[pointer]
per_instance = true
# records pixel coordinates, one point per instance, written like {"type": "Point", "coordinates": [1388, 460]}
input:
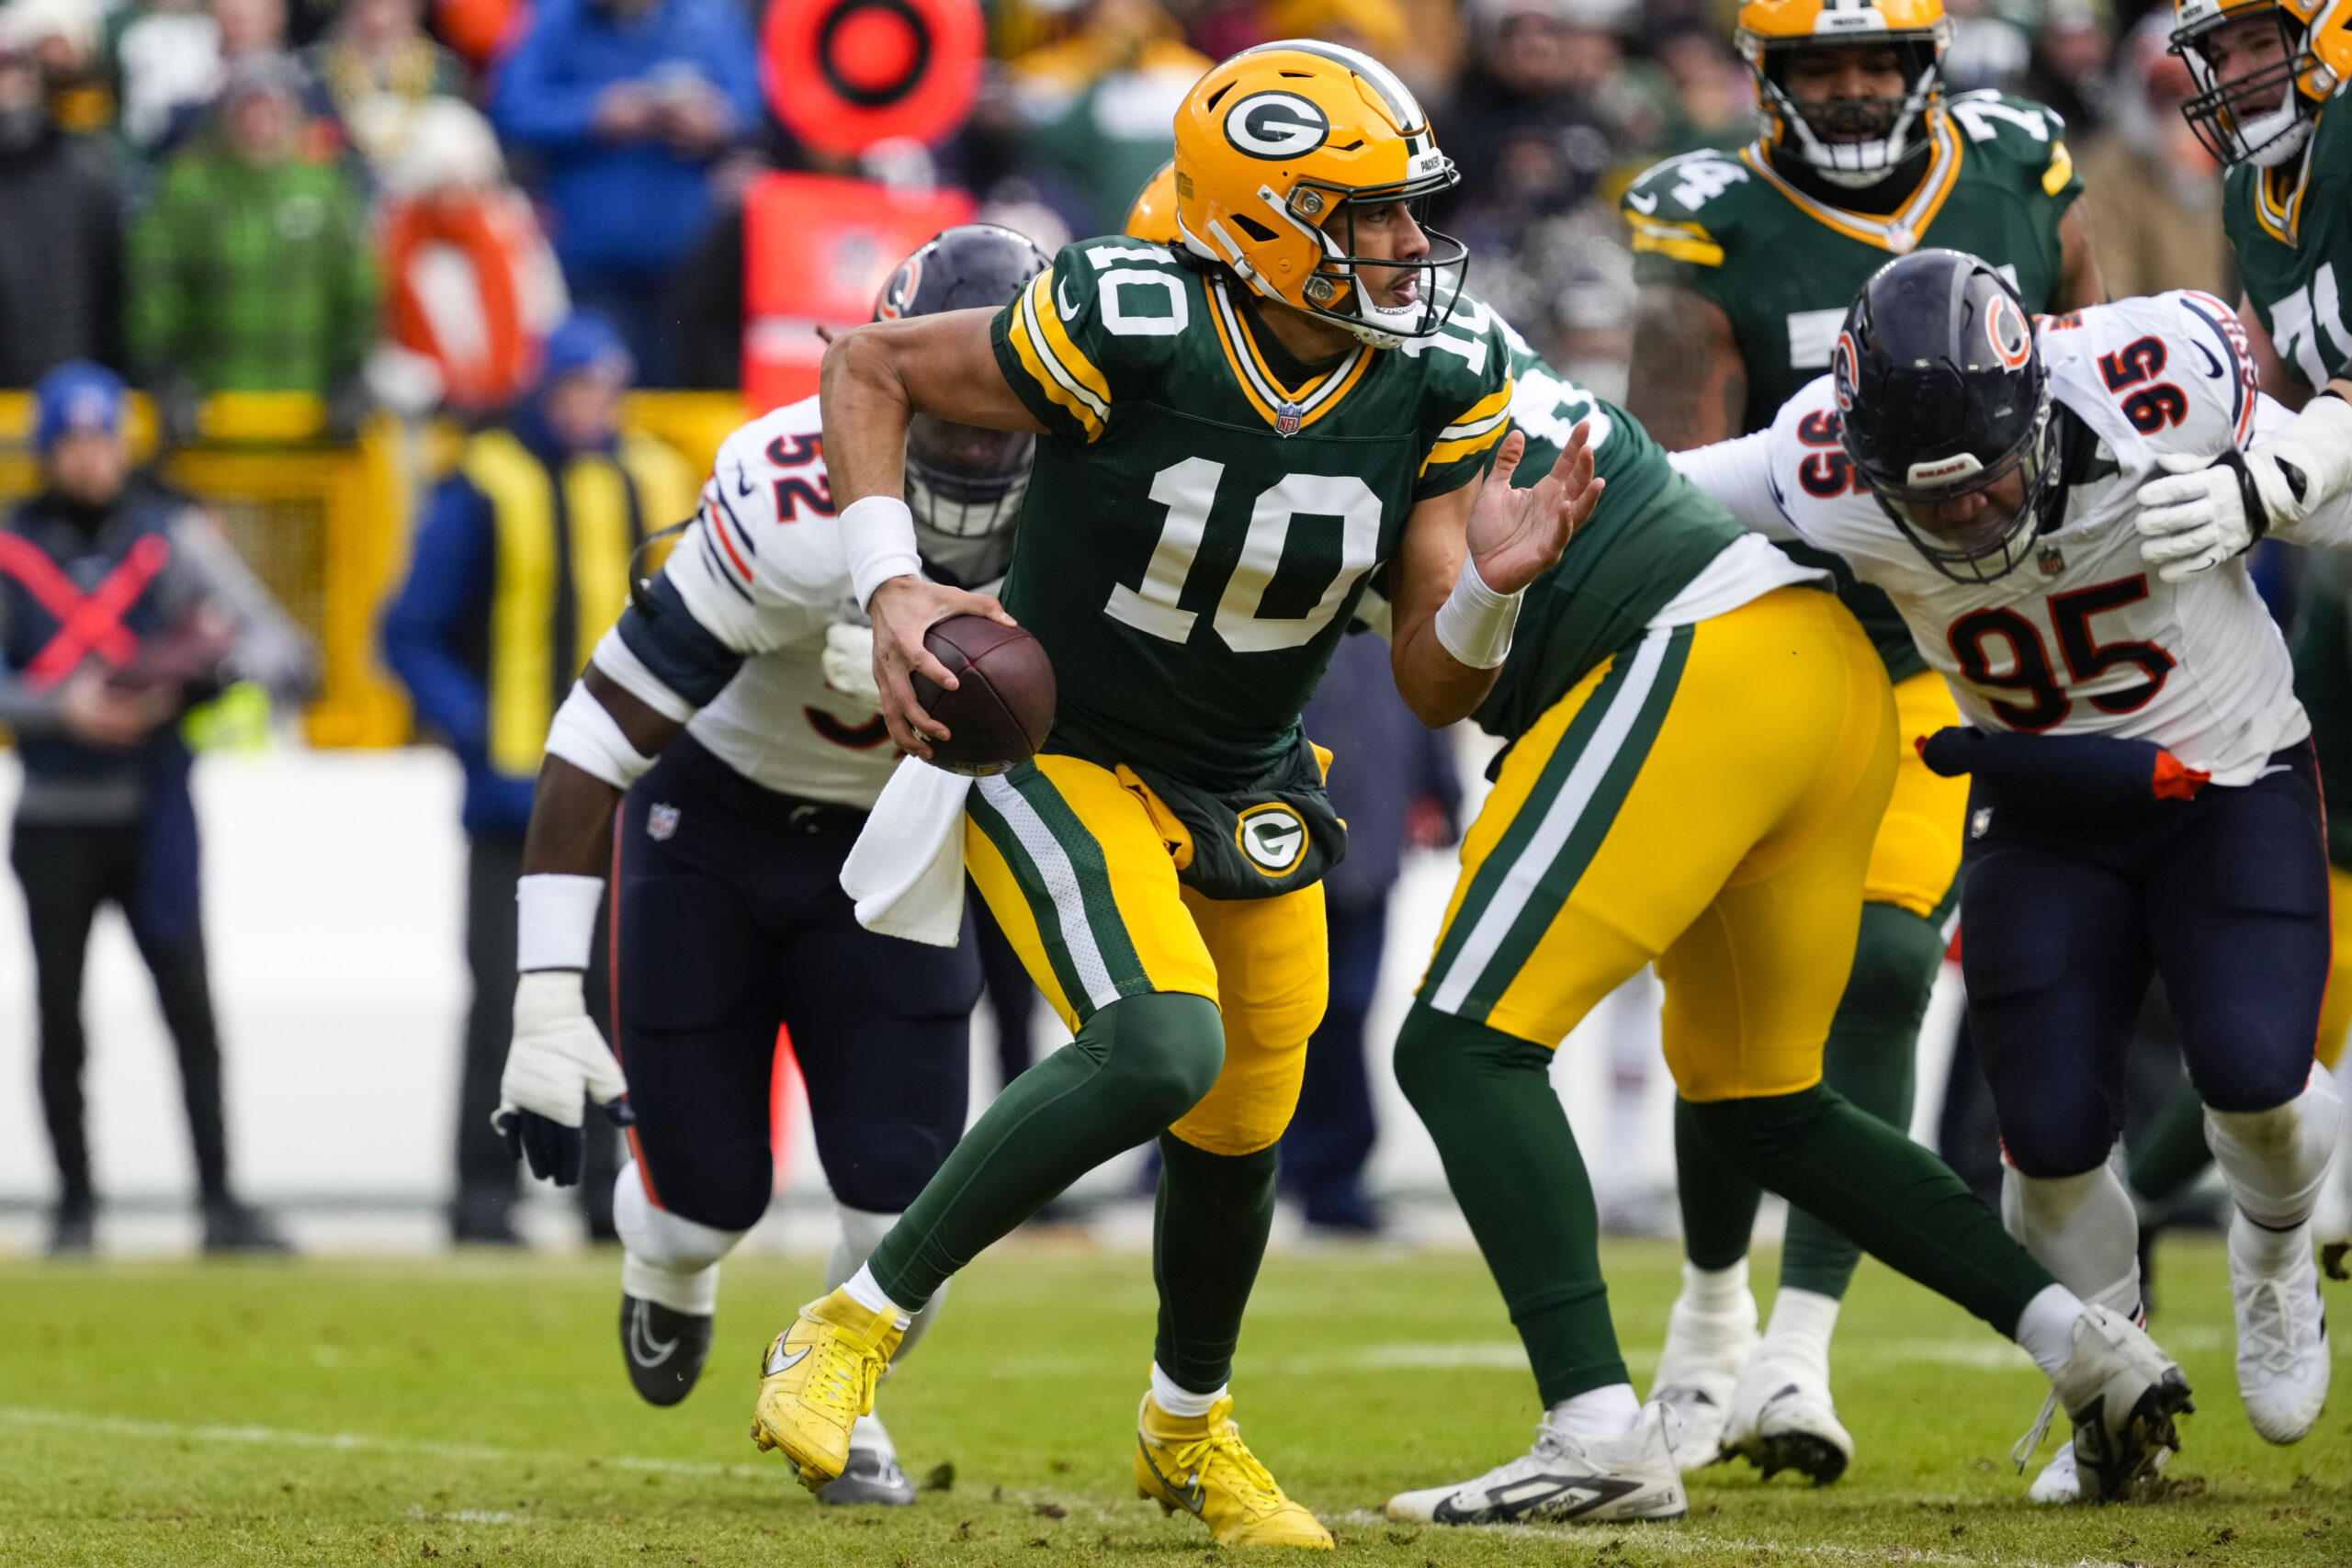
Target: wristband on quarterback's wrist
{"type": "Point", "coordinates": [555, 920]}
{"type": "Point", "coordinates": [878, 537]}
{"type": "Point", "coordinates": [1474, 623]}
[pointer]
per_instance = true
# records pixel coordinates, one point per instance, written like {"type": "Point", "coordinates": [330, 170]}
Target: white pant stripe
{"type": "Point", "coordinates": [1061, 886]}
{"type": "Point", "coordinates": [1560, 819]}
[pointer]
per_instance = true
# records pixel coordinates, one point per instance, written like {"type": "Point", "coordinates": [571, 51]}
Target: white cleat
{"type": "Point", "coordinates": [1562, 1481]}
{"type": "Point", "coordinates": [2122, 1394]}
{"type": "Point", "coordinates": [1697, 1375]}
{"type": "Point", "coordinates": [872, 1474]}
{"type": "Point", "coordinates": [2282, 1341]}
{"type": "Point", "coordinates": [1782, 1418]}
{"type": "Point", "coordinates": [2057, 1483]}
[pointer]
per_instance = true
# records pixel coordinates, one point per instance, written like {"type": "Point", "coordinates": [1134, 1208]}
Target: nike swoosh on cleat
{"type": "Point", "coordinates": [640, 1332]}
{"type": "Point", "coordinates": [1190, 1494]}
{"type": "Point", "coordinates": [781, 1363]}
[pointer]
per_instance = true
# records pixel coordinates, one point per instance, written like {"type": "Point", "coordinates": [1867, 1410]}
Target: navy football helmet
{"type": "Point", "coordinates": [1945, 411]}
{"type": "Point", "coordinates": [964, 482]}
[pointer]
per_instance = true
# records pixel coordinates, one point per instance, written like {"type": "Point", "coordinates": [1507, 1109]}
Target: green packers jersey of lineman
{"type": "Point", "coordinates": [1197, 530]}
{"type": "Point", "coordinates": [1784, 266]}
{"type": "Point", "coordinates": [2294, 238]}
{"type": "Point", "coordinates": [1652, 533]}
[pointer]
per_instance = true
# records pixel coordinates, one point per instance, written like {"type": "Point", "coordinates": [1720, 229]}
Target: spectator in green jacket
{"type": "Point", "coordinates": [250, 271]}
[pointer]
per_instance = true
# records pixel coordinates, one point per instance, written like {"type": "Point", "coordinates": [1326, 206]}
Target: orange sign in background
{"type": "Point", "coordinates": [816, 252]}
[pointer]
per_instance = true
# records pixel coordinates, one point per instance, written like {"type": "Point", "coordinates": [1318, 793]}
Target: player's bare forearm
{"type": "Point", "coordinates": [1509, 536]}
{"type": "Point", "coordinates": [572, 810]}
{"type": "Point", "coordinates": [878, 377]}
{"type": "Point", "coordinates": [1687, 384]}
{"type": "Point", "coordinates": [2079, 283]}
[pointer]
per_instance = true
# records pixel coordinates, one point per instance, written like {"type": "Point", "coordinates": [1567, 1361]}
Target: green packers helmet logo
{"type": "Point", "coordinates": [1275, 125]}
{"type": "Point", "coordinates": [1273, 838]}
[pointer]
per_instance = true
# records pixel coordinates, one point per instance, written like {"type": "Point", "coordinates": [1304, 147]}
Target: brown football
{"type": "Point", "coordinates": [1003, 701]}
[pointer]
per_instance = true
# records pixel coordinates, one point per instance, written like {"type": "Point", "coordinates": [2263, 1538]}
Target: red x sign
{"type": "Point", "coordinates": [87, 624]}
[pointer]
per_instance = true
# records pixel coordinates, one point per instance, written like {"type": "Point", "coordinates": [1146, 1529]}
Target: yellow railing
{"type": "Point", "coordinates": [326, 526]}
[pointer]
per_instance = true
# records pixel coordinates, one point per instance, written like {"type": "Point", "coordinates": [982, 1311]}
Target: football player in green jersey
{"type": "Point", "coordinates": [1746, 260]}
{"type": "Point", "coordinates": [1232, 435]}
{"type": "Point", "coordinates": [2269, 78]}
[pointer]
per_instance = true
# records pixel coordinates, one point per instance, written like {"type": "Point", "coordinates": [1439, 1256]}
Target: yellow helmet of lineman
{"type": "Point", "coordinates": [1853, 143]}
{"type": "Point", "coordinates": [1274, 150]}
{"type": "Point", "coordinates": [1153, 215]}
{"type": "Point", "coordinates": [2263, 116]}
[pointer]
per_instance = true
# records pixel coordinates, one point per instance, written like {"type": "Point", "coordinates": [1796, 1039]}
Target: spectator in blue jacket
{"type": "Point", "coordinates": [521, 562]}
{"type": "Point", "coordinates": [622, 106]}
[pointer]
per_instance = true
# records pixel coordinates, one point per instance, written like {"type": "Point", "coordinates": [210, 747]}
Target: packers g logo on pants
{"type": "Point", "coordinates": [1271, 837]}
{"type": "Point", "coordinates": [1276, 125]}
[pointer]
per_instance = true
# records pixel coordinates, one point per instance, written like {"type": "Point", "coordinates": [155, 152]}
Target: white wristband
{"type": "Point", "coordinates": [1474, 623]}
{"type": "Point", "coordinates": [555, 920]}
{"type": "Point", "coordinates": [585, 735]}
{"type": "Point", "coordinates": [878, 537]}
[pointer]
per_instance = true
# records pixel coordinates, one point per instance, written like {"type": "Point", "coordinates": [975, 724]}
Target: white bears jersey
{"type": "Point", "coordinates": [2083, 638]}
{"type": "Point", "coordinates": [736, 644]}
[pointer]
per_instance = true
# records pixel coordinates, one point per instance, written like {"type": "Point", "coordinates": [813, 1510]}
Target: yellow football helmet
{"type": "Point", "coordinates": [1772, 32]}
{"type": "Point", "coordinates": [1153, 215]}
{"type": "Point", "coordinates": [1275, 148]}
{"type": "Point", "coordinates": [2237, 119]}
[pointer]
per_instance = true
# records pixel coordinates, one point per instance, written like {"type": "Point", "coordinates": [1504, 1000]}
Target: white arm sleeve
{"type": "Point", "coordinates": [1739, 474]}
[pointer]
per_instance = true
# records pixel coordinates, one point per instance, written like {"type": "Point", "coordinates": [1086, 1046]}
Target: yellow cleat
{"type": "Point", "coordinates": [1200, 1464]}
{"type": "Point", "coordinates": [817, 1380]}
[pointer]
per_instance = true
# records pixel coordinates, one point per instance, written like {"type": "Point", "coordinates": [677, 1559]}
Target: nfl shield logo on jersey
{"type": "Point", "coordinates": [660, 822]}
{"type": "Point", "coordinates": [1287, 419]}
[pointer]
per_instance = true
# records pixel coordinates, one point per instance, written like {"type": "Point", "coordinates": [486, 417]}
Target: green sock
{"type": "Point", "coordinates": [1208, 1235]}
{"type": "Point", "coordinates": [1901, 1203]}
{"type": "Point", "coordinates": [1137, 1066]}
{"type": "Point", "coordinates": [1871, 1058]}
{"type": "Point", "coordinates": [1487, 1098]}
{"type": "Point", "coordinates": [1718, 1201]}
{"type": "Point", "coordinates": [2172, 1153]}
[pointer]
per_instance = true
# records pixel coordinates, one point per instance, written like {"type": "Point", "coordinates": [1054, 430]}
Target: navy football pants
{"type": "Point", "coordinates": [731, 920]}
{"type": "Point", "coordinates": [2064, 920]}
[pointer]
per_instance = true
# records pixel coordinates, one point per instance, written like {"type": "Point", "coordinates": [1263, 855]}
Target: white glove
{"type": "Point", "coordinates": [556, 1064]}
{"type": "Point", "coordinates": [849, 664]}
{"type": "Point", "coordinates": [2308, 462]}
{"type": "Point", "coordinates": [2194, 520]}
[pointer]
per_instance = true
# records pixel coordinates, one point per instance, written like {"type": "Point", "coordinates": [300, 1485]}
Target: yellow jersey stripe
{"type": "Point", "coordinates": [1491, 431]}
{"type": "Point", "coordinates": [2061, 169]}
{"type": "Point", "coordinates": [1256, 381]}
{"type": "Point", "coordinates": [1227, 330]}
{"type": "Point", "coordinates": [1051, 378]}
{"type": "Point", "coordinates": [1058, 342]}
{"type": "Point", "coordinates": [1476, 419]}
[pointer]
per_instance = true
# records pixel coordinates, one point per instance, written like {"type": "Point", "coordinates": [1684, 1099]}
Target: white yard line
{"type": "Point", "coordinates": [355, 1442]}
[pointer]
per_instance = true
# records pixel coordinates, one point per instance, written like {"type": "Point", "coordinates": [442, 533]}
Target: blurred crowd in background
{"type": "Point", "coordinates": [458, 231]}
{"type": "Point", "coordinates": [262, 195]}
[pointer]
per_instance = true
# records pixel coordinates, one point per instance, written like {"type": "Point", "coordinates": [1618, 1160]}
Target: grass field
{"type": "Point", "coordinates": [474, 1411]}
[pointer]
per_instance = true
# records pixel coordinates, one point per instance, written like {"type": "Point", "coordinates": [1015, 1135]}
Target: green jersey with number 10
{"type": "Point", "coordinates": [1197, 531]}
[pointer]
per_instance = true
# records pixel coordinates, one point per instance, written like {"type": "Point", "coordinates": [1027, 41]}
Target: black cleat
{"type": "Point", "coordinates": [664, 1350]}
{"type": "Point", "coordinates": [73, 1229]}
{"type": "Point", "coordinates": [232, 1229]}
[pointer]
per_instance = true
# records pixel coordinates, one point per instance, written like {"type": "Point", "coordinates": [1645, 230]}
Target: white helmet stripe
{"type": "Point", "coordinates": [1402, 104]}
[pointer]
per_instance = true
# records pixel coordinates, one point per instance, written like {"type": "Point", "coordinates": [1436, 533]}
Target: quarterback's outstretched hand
{"type": "Point", "coordinates": [902, 610]}
{"type": "Point", "coordinates": [2196, 517]}
{"type": "Point", "coordinates": [1515, 535]}
{"type": "Point", "coordinates": [557, 1062]}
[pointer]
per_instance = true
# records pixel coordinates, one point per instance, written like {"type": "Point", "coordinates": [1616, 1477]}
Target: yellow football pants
{"type": "Point", "coordinates": [1707, 801]}
{"type": "Point", "coordinates": [1915, 860]}
{"type": "Point", "coordinates": [1079, 864]}
{"type": "Point", "coordinates": [2336, 1011]}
